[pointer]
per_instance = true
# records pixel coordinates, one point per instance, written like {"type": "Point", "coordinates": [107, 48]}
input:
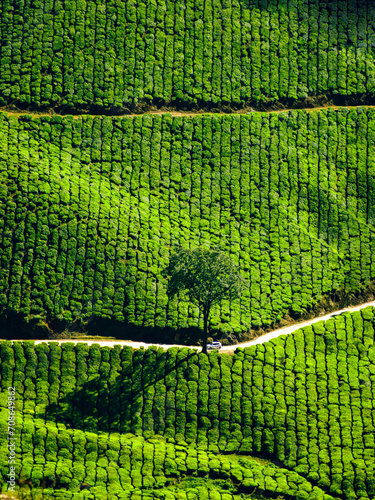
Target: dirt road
{"type": "Point", "coordinates": [260, 340]}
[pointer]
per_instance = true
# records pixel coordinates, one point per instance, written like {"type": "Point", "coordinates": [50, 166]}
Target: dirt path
{"type": "Point", "coordinates": [250, 111]}
{"type": "Point", "coordinates": [260, 340]}
{"type": "Point", "coordinates": [245, 111]}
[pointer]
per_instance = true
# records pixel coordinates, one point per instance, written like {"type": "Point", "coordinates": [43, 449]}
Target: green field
{"type": "Point", "coordinates": [91, 209]}
{"type": "Point", "coordinates": [153, 423]}
{"type": "Point", "coordinates": [110, 55]}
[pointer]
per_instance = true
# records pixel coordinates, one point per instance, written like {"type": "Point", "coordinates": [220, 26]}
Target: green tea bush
{"type": "Point", "coordinates": [7, 364]}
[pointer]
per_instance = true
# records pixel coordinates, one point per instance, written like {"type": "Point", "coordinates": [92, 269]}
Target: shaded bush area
{"type": "Point", "coordinates": [117, 57]}
{"type": "Point", "coordinates": [15, 326]}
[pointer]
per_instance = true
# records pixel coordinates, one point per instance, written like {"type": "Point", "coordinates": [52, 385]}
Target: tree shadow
{"type": "Point", "coordinates": [14, 325]}
{"type": "Point", "coordinates": [127, 331]}
{"type": "Point", "coordinates": [266, 5]}
{"type": "Point", "coordinates": [117, 403]}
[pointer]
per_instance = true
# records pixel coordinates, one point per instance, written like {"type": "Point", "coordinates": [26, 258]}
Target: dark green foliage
{"type": "Point", "coordinates": [113, 55]}
{"type": "Point", "coordinates": [7, 365]}
{"type": "Point", "coordinates": [126, 389]}
{"type": "Point", "coordinates": [114, 385]}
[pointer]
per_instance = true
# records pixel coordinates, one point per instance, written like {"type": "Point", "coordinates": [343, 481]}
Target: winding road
{"type": "Point", "coordinates": [259, 340]}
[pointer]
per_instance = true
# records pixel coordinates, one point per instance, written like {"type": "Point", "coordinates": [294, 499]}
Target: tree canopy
{"type": "Point", "coordinates": [208, 276]}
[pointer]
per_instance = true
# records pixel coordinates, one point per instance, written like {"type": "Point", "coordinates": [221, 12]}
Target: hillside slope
{"type": "Point", "coordinates": [112, 55]}
{"type": "Point", "coordinates": [90, 209]}
{"type": "Point", "coordinates": [92, 415]}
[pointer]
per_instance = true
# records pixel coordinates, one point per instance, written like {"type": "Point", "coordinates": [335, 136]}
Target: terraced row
{"type": "Point", "coordinates": [73, 464]}
{"type": "Point", "coordinates": [114, 54]}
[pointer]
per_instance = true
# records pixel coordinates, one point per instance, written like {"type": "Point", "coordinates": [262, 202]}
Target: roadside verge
{"type": "Point", "coordinates": [259, 340]}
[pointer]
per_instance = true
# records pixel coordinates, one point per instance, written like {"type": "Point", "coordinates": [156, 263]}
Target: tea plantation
{"type": "Point", "coordinates": [91, 207]}
{"type": "Point", "coordinates": [93, 204]}
{"type": "Point", "coordinates": [118, 423]}
{"type": "Point", "coordinates": [110, 55]}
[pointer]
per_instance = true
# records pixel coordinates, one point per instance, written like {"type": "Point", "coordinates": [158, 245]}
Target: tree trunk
{"type": "Point", "coordinates": [206, 312]}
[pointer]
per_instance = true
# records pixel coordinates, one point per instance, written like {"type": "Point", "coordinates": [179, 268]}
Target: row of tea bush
{"type": "Point", "coordinates": [120, 466]}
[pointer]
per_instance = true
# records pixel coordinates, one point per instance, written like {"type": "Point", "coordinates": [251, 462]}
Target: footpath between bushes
{"type": "Point", "coordinates": [14, 111]}
{"type": "Point", "coordinates": [259, 340]}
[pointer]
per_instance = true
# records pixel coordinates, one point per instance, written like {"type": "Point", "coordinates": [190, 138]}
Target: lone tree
{"type": "Point", "coordinates": [208, 276]}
